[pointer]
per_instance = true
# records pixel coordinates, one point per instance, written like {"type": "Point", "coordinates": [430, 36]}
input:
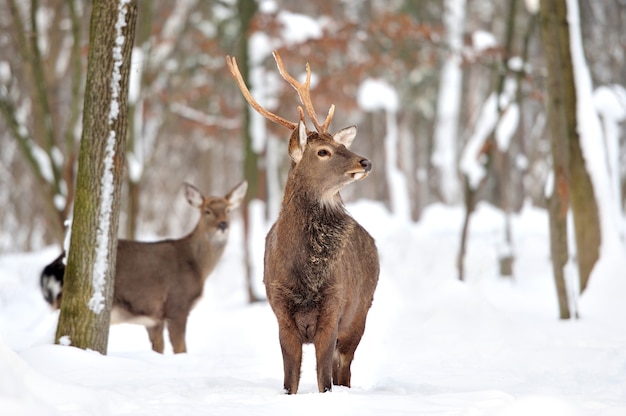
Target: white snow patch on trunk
{"type": "Point", "coordinates": [43, 162]}
{"type": "Point", "coordinates": [101, 264]}
{"type": "Point", "coordinates": [605, 289]}
{"type": "Point", "coordinates": [610, 103]}
{"type": "Point", "coordinates": [505, 125]}
{"type": "Point", "coordinates": [590, 131]}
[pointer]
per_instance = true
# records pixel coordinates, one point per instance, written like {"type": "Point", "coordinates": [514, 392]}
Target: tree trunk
{"type": "Point", "coordinates": [133, 182]}
{"type": "Point", "coordinates": [562, 111]}
{"type": "Point", "coordinates": [582, 195]}
{"type": "Point", "coordinates": [502, 160]}
{"type": "Point", "coordinates": [446, 139]}
{"type": "Point", "coordinates": [559, 199]}
{"type": "Point", "coordinates": [246, 11]}
{"type": "Point", "coordinates": [557, 210]}
{"type": "Point", "coordinates": [470, 205]}
{"type": "Point", "coordinates": [88, 284]}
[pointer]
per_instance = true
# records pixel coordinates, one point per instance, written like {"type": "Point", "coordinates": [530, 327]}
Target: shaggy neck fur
{"type": "Point", "coordinates": [321, 230]}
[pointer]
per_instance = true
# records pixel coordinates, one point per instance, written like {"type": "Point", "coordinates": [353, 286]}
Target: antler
{"type": "Point", "coordinates": [234, 70]}
{"type": "Point", "coordinates": [304, 93]}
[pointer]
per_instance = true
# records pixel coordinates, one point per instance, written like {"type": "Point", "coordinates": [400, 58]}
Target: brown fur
{"type": "Point", "coordinates": [158, 283]}
{"type": "Point", "coordinates": [321, 266]}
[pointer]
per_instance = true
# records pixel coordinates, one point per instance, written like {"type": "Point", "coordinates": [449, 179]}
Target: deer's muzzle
{"type": "Point", "coordinates": [361, 173]}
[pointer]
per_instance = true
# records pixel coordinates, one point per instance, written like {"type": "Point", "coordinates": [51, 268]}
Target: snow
{"type": "Point", "coordinates": [472, 164]}
{"type": "Point", "coordinates": [107, 187]}
{"type": "Point", "coordinates": [96, 303]}
{"type": "Point", "coordinates": [43, 162]}
{"type": "Point", "coordinates": [432, 346]}
{"type": "Point", "coordinates": [532, 6]}
{"type": "Point", "coordinates": [603, 282]}
{"type": "Point", "coordinates": [610, 103]}
{"type": "Point", "coordinates": [376, 94]}
{"type": "Point", "coordinates": [507, 126]}
{"type": "Point", "coordinates": [5, 72]}
{"type": "Point", "coordinates": [298, 28]}
{"type": "Point", "coordinates": [483, 40]}
{"type": "Point", "coordinates": [136, 72]}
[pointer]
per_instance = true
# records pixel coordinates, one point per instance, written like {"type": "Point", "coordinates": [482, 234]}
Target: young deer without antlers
{"type": "Point", "coordinates": [321, 266]}
{"type": "Point", "coordinates": [158, 283]}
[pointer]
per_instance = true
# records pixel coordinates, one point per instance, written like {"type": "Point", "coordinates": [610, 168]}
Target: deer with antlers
{"type": "Point", "coordinates": [320, 267]}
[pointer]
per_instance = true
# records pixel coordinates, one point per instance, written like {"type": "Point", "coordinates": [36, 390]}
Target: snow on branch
{"type": "Point", "coordinates": [503, 119]}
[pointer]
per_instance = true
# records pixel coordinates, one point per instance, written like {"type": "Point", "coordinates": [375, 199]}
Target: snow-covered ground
{"type": "Point", "coordinates": [432, 346]}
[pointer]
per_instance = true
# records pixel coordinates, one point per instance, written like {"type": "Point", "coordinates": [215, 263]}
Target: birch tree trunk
{"type": "Point", "coordinates": [449, 103]}
{"type": "Point", "coordinates": [88, 284]}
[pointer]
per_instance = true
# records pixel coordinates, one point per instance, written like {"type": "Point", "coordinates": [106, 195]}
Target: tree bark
{"type": "Point", "coordinates": [246, 11]}
{"type": "Point", "coordinates": [582, 196]}
{"type": "Point", "coordinates": [562, 113]}
{"type": "Point", "coordinates": [558, 203]}
{"type": "Point", "coordinates": [85, 310]}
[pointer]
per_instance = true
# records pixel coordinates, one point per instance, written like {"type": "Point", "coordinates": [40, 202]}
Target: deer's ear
{"type": "Point", "coordinates": [194, 197]}
{"type": "Point", "coordinates": [345, 136]}
{"type": "Point", "coordinates": [235, 196]}
{"type": "Point", "coordinates": [297, 142]}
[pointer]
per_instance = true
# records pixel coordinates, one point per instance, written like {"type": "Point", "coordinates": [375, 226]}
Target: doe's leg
{"type": "Point", "coordinates": [177, 328]}
{"type": "Point", "coordinates": [156, 337]}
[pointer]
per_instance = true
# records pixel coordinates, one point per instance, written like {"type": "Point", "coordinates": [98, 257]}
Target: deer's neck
{"type": "Point", "coordinates": [317, 233]}
{"type": "Point", "coordinates": [205, 250]}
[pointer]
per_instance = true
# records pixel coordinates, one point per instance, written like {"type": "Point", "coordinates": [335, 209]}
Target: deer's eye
{"type": "Point", "coordinates": [323, 153]}
{"type": "Point", "coordinates": [208, 212]}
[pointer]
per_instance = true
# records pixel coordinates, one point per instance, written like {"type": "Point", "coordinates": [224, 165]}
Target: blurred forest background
{"type": "Point", "coordinates": [188, 120]}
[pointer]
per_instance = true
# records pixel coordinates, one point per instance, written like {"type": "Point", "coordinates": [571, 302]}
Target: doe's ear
{"type": "Point", "coordinates": [194, 197]}
{"type": "Point", "coordinates": [235, 196]}
{"type": "Point", "coordinates": [297, 142]}
{"type": "Point", "coordinates": [345, 136]}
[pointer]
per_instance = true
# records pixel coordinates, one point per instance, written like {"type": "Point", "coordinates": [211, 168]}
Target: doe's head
{"type": "Point", "coordinates": [215, 211]}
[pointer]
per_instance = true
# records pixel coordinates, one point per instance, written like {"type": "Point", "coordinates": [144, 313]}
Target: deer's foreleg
{"type": "Point", "coordinates": [156, 336]}
{"type": "Point", "coordinates": [291, 347]}
{"type": "Point", "coordinates": [325, 341]}
{"type": "Point", "coordinates": [177, 328]}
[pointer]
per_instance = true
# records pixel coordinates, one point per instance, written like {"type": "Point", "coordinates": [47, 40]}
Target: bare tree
{"type": "Point", "coordinates": [42, 76]}
{"type": "Point", "coordinates": [88, 286]}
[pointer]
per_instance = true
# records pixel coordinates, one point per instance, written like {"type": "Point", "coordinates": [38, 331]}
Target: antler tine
{"type": "Point", "coordinates": [304, 93]}
{"type": "Point", "coordinates": [329, 117]}
{"type": "Point", "coordinates": [234, 71]}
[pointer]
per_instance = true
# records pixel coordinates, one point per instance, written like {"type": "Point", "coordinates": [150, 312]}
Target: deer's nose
{"type": "Point", "coordinates": [366, 164]}
{"type": "Point", "coordinates": [222, 225]}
